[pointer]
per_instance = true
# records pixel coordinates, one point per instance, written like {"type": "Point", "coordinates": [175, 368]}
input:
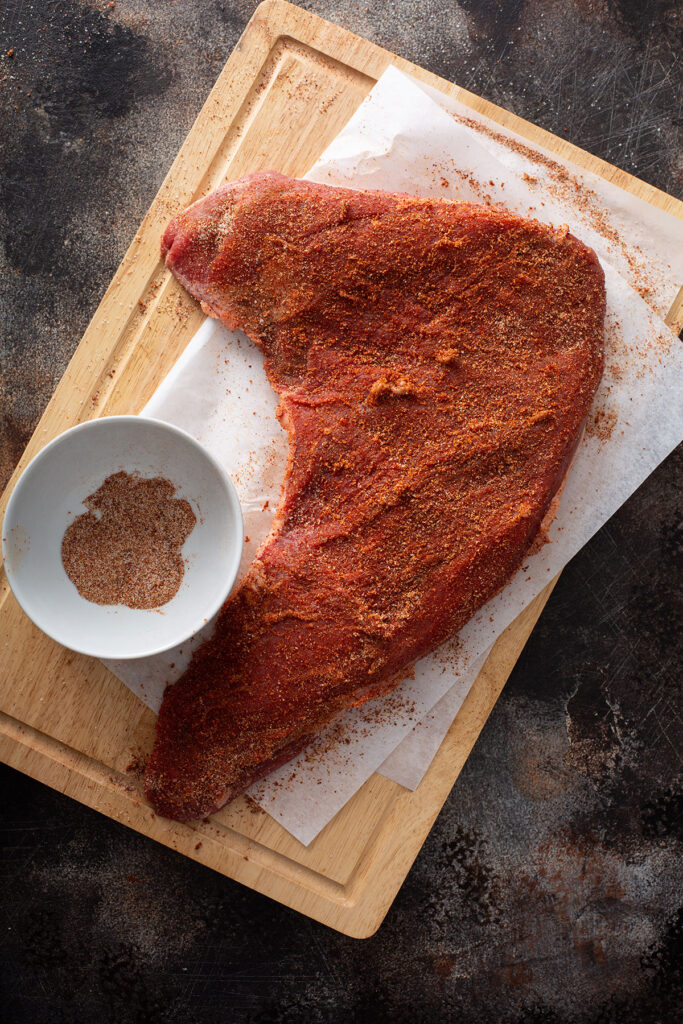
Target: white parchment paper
{"type": "Point", "coordinates": [407, 138]}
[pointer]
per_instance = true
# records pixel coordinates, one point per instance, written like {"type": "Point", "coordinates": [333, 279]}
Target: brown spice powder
{"type": "Point", "coordinates": [127, 548]}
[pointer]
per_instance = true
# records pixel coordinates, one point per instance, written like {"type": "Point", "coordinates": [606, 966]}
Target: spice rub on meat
{"type": "Point", "coordinates": [435, 362]}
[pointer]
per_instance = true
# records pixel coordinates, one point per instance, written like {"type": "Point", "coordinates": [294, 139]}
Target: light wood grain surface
{"type": "Point", "coordinates": [288, 88]}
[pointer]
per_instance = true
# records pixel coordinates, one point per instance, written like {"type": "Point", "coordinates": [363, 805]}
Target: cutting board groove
{"type": "Point", "coordinates": [290, 85]}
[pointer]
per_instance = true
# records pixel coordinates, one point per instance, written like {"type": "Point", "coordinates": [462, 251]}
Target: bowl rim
{"type": "Point", "coordinates": [232, 501]}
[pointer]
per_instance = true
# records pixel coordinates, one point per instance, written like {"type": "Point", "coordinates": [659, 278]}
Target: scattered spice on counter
{"type": "Point", "coordinates": [127, 548]}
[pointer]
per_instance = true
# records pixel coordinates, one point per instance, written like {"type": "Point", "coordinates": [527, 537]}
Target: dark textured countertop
{"type": "Point", "coordinates": [549, 889]}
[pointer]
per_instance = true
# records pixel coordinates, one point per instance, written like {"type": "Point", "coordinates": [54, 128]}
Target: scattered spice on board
{"type": "Point", "coordinates": [127, 548]}
{"type": "Point", "coordinates": [137, 764]}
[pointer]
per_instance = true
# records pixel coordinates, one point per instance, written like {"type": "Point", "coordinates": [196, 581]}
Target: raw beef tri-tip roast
{"type": "Point", "coordinates": [435, 362]}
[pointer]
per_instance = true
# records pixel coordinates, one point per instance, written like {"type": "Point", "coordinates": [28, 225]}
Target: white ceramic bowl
{"type": "Point", "coordinates": [49, 495]}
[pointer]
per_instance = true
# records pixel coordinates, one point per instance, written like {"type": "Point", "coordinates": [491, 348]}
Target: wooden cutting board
{"type": "Point", "coordinates": [288, 88]}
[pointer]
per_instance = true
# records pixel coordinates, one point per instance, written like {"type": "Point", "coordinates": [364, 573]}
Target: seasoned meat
{"type": "Point", "coordinates": [435, 362]}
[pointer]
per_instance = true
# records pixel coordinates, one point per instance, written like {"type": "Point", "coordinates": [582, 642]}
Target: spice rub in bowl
{"type": "Point", "coordinates": [126, 549]}
{"type": "Point", "coordinates": [122, 538]}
